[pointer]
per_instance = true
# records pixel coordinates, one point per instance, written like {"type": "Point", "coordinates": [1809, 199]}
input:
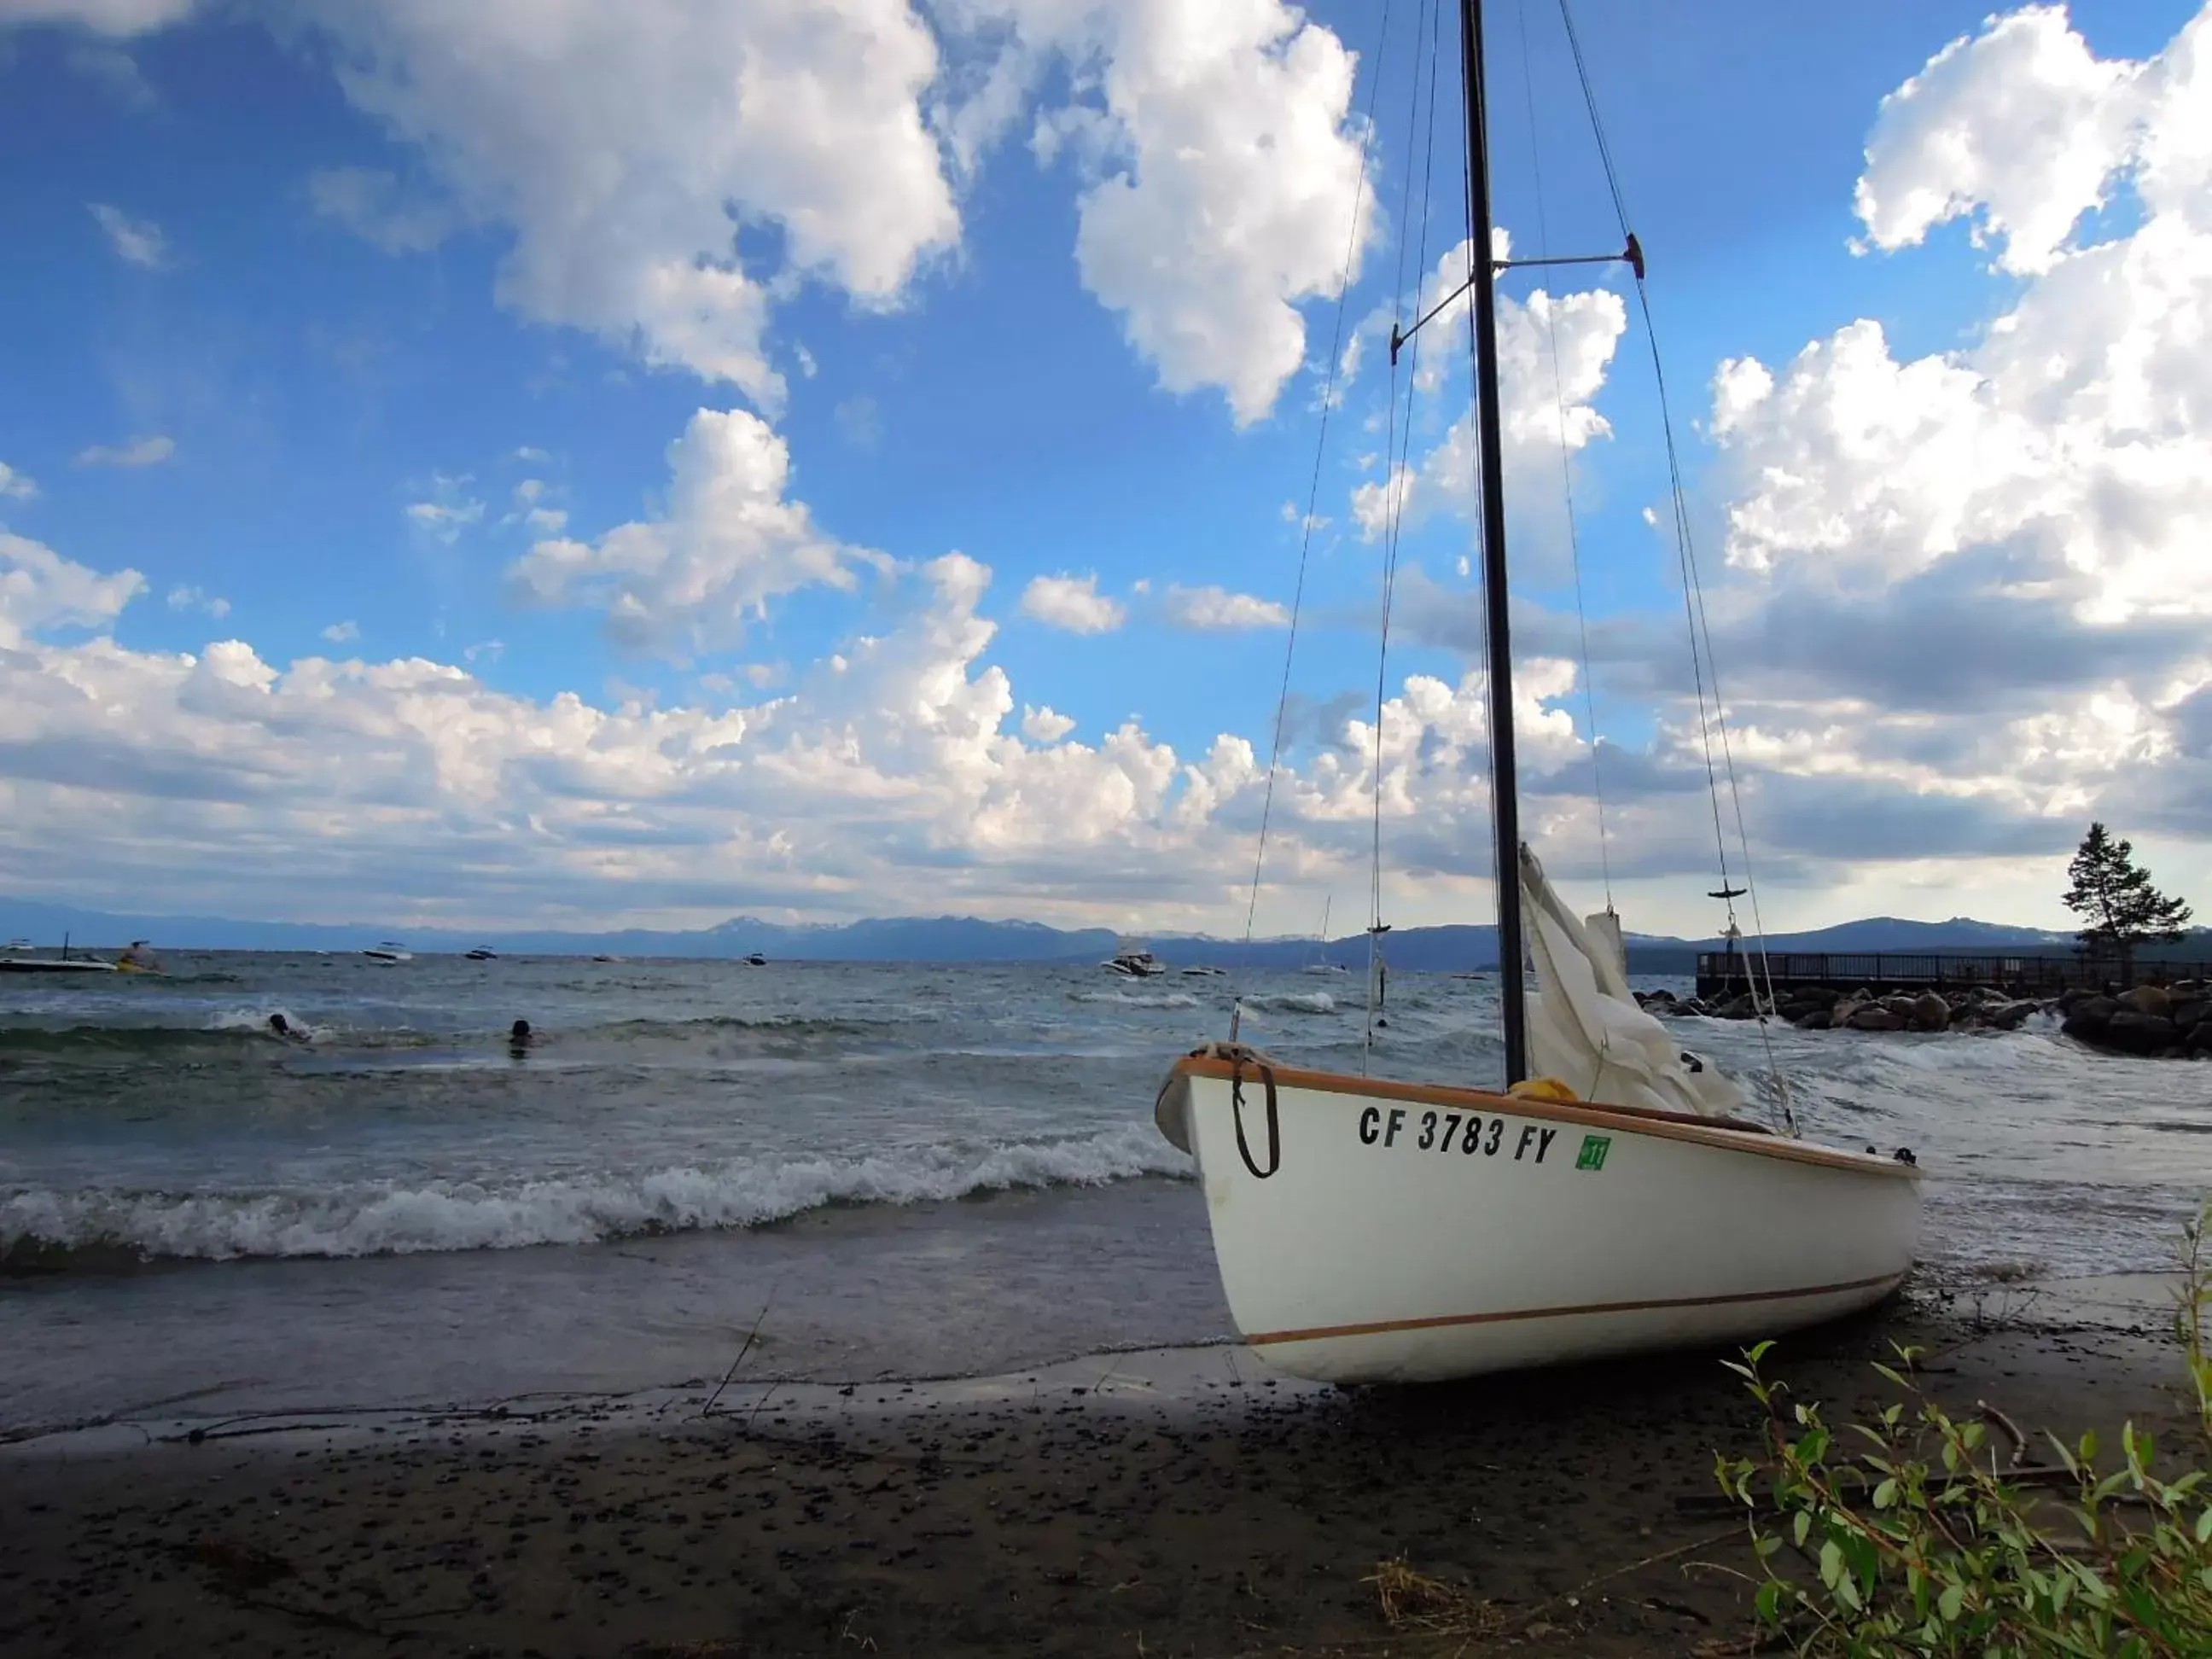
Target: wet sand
{"type": "Point", "coordinates": [1175, 1503]}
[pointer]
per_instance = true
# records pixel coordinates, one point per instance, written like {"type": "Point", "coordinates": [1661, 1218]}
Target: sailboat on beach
{"type": "Point", "coordinates": [1611, 1198]}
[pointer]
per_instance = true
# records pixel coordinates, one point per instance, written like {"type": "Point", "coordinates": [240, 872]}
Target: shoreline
{"type": "Point", "coordinates": [1185, 1499]}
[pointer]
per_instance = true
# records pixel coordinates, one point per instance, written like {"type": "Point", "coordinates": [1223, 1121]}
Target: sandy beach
{"type": "Point", "coordinates": [1182, 1501]}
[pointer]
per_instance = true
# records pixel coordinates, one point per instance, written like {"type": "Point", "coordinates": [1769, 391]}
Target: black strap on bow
{"type": "Point", "coordinates": [1237, 1107]}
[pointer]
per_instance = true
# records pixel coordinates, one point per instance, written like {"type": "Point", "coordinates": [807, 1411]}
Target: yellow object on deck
{"type": "Point", "coordinates": [1543, 1088]}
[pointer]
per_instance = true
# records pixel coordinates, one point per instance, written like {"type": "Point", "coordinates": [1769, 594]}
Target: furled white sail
{"type": "Point", "coordinates": [1604, 929]}
{"type": "Point", "coordinates": [1585, 1028]}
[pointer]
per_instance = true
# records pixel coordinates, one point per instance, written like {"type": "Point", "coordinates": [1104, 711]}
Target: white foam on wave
{"type": "Point", "coordinates": [255, 1020]}
{"type": "Point", "coordinates": [1293, 1002]}
{"type": "Point", "coordinates": [1136, 998]}
{"type": "Point", "coordinates": [387, 1219]}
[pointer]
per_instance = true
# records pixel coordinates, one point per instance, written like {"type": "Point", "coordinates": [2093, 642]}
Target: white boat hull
{"type": "Point", "coordinates": [1539, 1233]}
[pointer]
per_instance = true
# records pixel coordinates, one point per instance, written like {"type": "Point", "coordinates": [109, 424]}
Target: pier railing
{"type": "Point", "coordinates": [1719, 971]}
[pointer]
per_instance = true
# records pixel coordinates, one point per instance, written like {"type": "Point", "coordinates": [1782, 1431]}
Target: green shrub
{"type": "Point", "coordinates": [1909, 1535]}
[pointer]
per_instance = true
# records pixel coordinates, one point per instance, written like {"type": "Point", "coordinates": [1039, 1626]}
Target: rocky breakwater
{"type": "Point", "coordinates": [2165, 1022]}
{"type": "Point", "coordinates": [1819, 1008]}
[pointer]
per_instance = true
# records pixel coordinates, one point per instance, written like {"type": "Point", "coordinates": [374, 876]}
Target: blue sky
{"type": "Point", "coordinates": [337, 324]}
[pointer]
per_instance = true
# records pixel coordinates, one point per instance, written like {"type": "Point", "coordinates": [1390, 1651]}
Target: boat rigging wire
{"type": "Point", "coordinates": [1320, 447]}
{"type": "Point", "coordinates": [1703, 665]}
{"type": "Point", "coordinates": [1397, 476]}
{"type": "Point", "coordinates": [1566, 464]}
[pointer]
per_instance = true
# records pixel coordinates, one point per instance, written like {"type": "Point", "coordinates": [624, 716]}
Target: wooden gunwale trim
{"type": "Point", "coordinates": [1384, 1328]}
{"type": "Point", "coordinates": [1636, 1121]}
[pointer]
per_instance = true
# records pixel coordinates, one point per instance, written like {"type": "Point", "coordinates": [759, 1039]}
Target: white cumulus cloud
{"type": "Point", "coordinates": [1215, 609]}
{"type": "Point", "coordinates": [40, 589]}
{"type": "Point", "coordinates": [1045, 724]}
{"type": "Point", "coordinates": [110, 17]}
{"type": "Point", "coordinates": [182, 597]}
{"type": "Point", "coordinates": [2019, 129]}
{"type": "Point", "coordinates": [729, 542]}
{"type": "Point", "coordinates": [632, 150]}
{"type": "Point", "coordinates": [1074, 603]}
{"type": "Point", "coordinates": [345, 632]}
{"type": "Point", "coordinates": [16, 486]}
{"type": "Point", "coordinates": [1224, 174]}
{"type": "Point", "coordinates": [892, 776]}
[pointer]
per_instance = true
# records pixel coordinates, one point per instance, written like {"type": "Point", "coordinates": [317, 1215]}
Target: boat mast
{"type": "Point", "coordinates": [1504, 805]}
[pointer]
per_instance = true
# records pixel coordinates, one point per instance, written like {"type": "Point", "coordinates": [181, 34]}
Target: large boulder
{"type": "Point", "coordinates": [2007, 1016]}
{"type": "Point", "coordinates": [2200, 1039]}
{"type": "Point", "coordinates": [2088, 1018]}
{"type": "Point", "coordinates": [2190, 1013]}
{"type": "Point", "coordinates": [1876, 1017]}
{"type": "Point", "coordinates": [1820, 1020]}
{"type": "Point", "coordinates": [2147, 999]}
{"type": "Point", "coordinates": [1930, 1012]}
{"type": "Point", "coordinates": [2140, 1034]}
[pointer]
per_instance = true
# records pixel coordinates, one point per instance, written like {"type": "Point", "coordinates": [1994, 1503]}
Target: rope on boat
{"type": "Point", "coordinates": [1703, 665]}
{"type": "Point", "coordinates": [1313, 492]}
{"type": "Point", "coordinates": [1566, 463]}
{"type": "Point", "coordinates": [1398, 448]}
{"type": "Point", "coordinates": [1239, 1056]}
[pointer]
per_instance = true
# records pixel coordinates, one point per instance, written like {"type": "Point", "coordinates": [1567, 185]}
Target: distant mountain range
{"type": "Point", "coordinates": [966, 938]}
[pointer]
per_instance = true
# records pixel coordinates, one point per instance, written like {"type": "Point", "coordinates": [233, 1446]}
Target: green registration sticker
{"type": "Point", "coordinates": [1594, 1148]}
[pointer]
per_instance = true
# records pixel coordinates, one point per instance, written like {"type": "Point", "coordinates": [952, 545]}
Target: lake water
{"type": "Point", "coordinates": [868, 1169]}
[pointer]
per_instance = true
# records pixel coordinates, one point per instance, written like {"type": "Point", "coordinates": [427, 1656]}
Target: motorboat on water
{"type": "Point", "coordinates": [481, 953]}
{"type": "Point", "coordinates": [755, 959]}
{"type": "Point", "coordinates": [1204, 972]}
{"type": "Point", "coordinates": [1135, 962]}
{"type": "Point", "coordinates": [13, 962]}
{"type": "Point", "coordinates": [1610, 1196]}
{"type": "Point", "coordinates": [389, 951]}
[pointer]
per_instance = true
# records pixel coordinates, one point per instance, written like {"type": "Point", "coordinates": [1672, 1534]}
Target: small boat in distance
{"type": "Point", "coordinates": [389, 951]}
{"type": "Point", "coordinates": [1320, 964]}
{"type": "Point", "coordinates": [16, 944]}
{"type": "Point", "coordinates": [756, 960]}
{"type": "Point", "coordinates": [1204, 972]}
{"type": "Point", "coordinates": [481, 953]}
{"type": "Point", "coordinates": [12, 962]}
{"type": "Point", "coordinates": [1134, 961]}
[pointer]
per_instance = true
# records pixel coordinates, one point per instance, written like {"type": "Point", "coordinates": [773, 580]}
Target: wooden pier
{"type": "Point", "coordinates": [1724, 973]}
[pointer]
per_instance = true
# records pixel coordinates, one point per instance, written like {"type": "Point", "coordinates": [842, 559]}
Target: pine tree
{"type": "Point", "coordinates": [2113, 895]}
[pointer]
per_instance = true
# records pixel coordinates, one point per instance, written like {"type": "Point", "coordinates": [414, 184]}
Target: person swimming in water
{"type": "Point", "coordinates": [518, 1038]}
{"type": "Point", "coordinates": [283, 1030]}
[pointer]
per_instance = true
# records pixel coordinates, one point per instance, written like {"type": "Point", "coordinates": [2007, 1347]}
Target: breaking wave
{"type": "Point", "coordinates": [235, 1029]}
{"type": "Point", "coordinates": [1293, 1002]}
{"type": "Point", "coordinates": [1136, 998]}
{"type": "Point", "coordinates": [57, 1231]}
